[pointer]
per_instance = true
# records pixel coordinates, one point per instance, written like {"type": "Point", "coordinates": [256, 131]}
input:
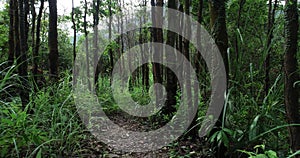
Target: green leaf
{"type": "Point", "coordinates": [253, 128]}
{"type": "Point", "coordinates": [7, 121]}
{"type": "Point", "coordinates": [219, 136]}
{"type": "Point", "coordinates": [229, 131]}
{"type": "Point", "coordinates": [261, 156]}
{"type": "Point", "coordinates": [225, 139]}
{"type": "Point", "coordinates": [294, 154]}
{"type": "Point", "coordinates": [262, 146]}
{"type": "Point", "coordinates": [271, 154]}
{"type": "Point", "coordinates": [39, 154]}
{"type": "Point", "coordinates": [212, 138]}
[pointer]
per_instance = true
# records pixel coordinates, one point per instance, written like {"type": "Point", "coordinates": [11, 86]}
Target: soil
{"type": "Point", "coordinates": [183, 147]}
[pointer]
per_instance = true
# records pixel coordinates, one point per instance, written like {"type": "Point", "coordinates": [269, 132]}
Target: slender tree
{"type": "Point", "coordinates": [37, 41]}
{"type": "Point", "coordinates": [171, 77]}
{"type": "Point", "coordinates": [96, 4]}
{"type": "Point", "coordinates": [271, 19]}
{"type": "Point", "coordinates": [53, 41]}
{"type": "Point", "coordinates": [33, 15]}
{"type": "Point", "coordinates": [85, 23]}
{"type": "Point", "coordinates": [22, 53]}
{"type": "Point", "coordinates": [156, 34]}
{"type": "Point", "coordinates": [74, 30]}
{"type": "Point", "coordinates": [291, 91]}
{"type": "Point", "coordinates": [160, 39]}
{"type": "Point", "coordinates": [236, 41]}
{"type": "Point", "coordinates": [143, 39]}
{"type": "Point", "coordinates": [198, 55]}
{"type": "Point", "coordinates": [11, 33]}
{"type": "Point", "coordinates": [110, 34]}
{"type": "Point", "coordinates": [219, 31]}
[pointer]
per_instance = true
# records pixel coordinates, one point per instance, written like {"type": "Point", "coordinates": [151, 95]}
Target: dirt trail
{"type": "Point", "coordinates": [180, 148]}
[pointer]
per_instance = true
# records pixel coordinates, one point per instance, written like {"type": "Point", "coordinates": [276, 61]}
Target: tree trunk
{"type": "Point", "coordinates": [271, 19]}
{"type": "Point", "coordinates": [74, 31]}
{"type": "Point", "coordinates": [198, 55]}
{"type": "Point", "coordinates": [52, 41]}
{"type": "Point", "coordinates": [193, 131]}
{"type": "Point", "coordinates": [159, 33]}
{"type": "Point", "coordinates": [74, 44]}
{"type": "Point", "coordinates": [219, 31]}
{"type": "Point", "coordinates": [86, 45]}
{"type": "Point", "coordinates": [11, 33]}
{"type": "Point", "coordinates": [145, 67]}
{"type": "Point", "coordinates": [157, 37]}
{"type": "Point", "coordinates": [109, 36]}
{"type": "Point", "coordinates": [33, 14]}
{"type": "Point", "coordinates": [21, 53]}
{"type": "Point", "coordinates": [38, 41]}
{"type": "Point", "coordinates": [96, 48]}
{"type": "Point", "coordinates": [171, 77]}
{"type": "Point", "coordinates": [291, 92]}
{"type": "Point", "coordinates": [236, 43]}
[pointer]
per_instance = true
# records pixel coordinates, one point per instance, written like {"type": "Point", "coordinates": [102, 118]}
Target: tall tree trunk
{"type": "Point", "coordinates": [16, 31]}
{"type": "Point", "coordinates": [96, 48]}
{"type": "Point", "coordinates": [145, 67]}
{"type": "Point", "coordinates": [109, 36]}
{"type": "Point", "coordinates": [171, 77]}
{"type": "Point", "coordinates": [236, 43]}
{"type": "Point", "coordinates": [21, 56]}
{"type": "Point", "coordinates": [74, 43]}
{"type": "Point", "coordinates": [157, 37]}
{"type": "Point", "coordinates": [38, 41]}
{"type": "Point", "coordinates": [219, 31]}
{"type": "Point", "coordinates": [291, 92]}
{"type": "Point", "coordinates": [11, 33]}
{"type": "Point", "coordinates": [198, 55]}
{"type": "Point", "coordinates": [33, 14]}
{"type": "Point", "coordinates": [193, 132]}
{"type": "Point", "coordinates": [159, 33]}
{"type": "Point", "coordinates": [271, 19]}
{"type": "Point", "coordinates": [86, 45]}
{"type": "Point", "coordinates": [74, 31]}
{"type": "Point", "coordinates": [53, 41]}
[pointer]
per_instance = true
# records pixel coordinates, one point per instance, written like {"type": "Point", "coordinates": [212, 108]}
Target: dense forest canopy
{"type": "Point", "coordinates": [149, 78]}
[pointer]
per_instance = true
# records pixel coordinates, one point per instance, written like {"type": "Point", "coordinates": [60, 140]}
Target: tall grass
{"type": "Point", "coordinates": [53, 130]}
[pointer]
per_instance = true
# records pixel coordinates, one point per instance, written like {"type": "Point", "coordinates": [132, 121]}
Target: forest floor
{"type": "Point", "coordinates": [183, 147]}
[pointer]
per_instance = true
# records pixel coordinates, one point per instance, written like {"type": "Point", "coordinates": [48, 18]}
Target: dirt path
{"type": "Point", "coordinates": [183, 147]}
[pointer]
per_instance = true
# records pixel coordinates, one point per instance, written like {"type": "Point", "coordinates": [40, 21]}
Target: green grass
{"type": "Point", "coordinates": [55, 129]}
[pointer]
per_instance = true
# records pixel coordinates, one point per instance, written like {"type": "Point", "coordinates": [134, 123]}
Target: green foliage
{"type": "Point", "coordinates": [265, 153]}
{"type": "Point", "coordinates": [54, 129]}
{"type": "Point", "coordinates": [4, 30]}
{"type": "Point", "coordinates": [250, 116]}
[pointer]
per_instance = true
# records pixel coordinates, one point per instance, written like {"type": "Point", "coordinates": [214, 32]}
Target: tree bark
{"type": "Point", "coordinates": [86, 45]}
{"type": "Point", "coordinates": [53, 41]}
{"type": "Point", "coordinates": [33, 14]}
{"type": "Point", "coordinates": [74, 31]}
{"type": "Point", "coordinates": [219, 31]}
{"type": "Point", "coordinates": [22, 52]}
{"type": "Point", "coordinates": [109, 36]}
{"type": "Point", "coordinates": [198, 55]}
{"type": "Point", "coordinates": [11, 33]}
{"type": "Point", "coordinates": [95, 28]}
{"type": "Point", "coordinates": [145, 66]}
{"type": "Point", "coordinates": [171, 77]}
{"type": "Point", "coordinates": [37, 41]}
{"type": "Point", "coordinates": [271, 19]}
{"type": "Point", "coordinates": [291, 91]}
{"type": "Point", "coordinates": [157, 37]}
{"type": "Point", "coordinates": [236, 44]}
